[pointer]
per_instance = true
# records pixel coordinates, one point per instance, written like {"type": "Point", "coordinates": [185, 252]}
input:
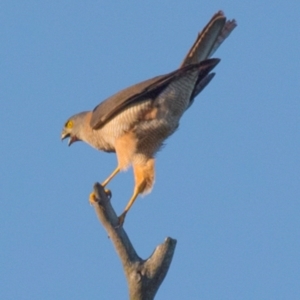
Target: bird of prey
{"type": "Point", "coordinates": [136, 121]}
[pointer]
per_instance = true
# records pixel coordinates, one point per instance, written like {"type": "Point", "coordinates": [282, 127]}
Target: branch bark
{"type": "Point", "coordinates": [143, 276]}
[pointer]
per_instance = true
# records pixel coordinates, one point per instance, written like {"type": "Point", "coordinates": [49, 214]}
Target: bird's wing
{"type": "Point", "coordinates": [141, 91]}
{"type": "Point", "coordinates": [209, 39]}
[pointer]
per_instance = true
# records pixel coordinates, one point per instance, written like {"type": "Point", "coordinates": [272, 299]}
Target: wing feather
{"type": "Point", "coordinates": [141, 91]}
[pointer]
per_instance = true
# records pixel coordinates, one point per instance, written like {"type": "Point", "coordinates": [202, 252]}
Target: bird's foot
{"type": "Point", "coordinates": [93, 198]}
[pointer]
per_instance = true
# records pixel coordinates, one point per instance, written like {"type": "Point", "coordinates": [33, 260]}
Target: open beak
{"type": "Point", "coordinates": [65, 135]}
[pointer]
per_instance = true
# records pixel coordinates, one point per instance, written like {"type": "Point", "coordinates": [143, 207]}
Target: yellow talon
{"type": "Point", "coordinates": [92, 198]}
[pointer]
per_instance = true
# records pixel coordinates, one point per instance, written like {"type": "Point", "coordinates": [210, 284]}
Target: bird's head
{"type": "Point", "coordinates": [73, 128]}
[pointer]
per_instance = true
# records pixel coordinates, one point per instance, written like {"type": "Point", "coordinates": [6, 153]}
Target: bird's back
{"type": "Point", "coordinates": [152, 120]}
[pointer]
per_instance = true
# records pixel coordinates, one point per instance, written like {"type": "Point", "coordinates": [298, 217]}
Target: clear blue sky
{"type": "Point", "coordinates": [227, 185]}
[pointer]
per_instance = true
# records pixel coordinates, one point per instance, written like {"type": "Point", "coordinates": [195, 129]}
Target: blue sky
{"type": "Point", "coordinates": [227, 185]}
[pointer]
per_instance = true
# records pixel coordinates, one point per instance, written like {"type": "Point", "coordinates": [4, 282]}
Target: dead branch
{"type": "Point", "coordinates": [143, 276]}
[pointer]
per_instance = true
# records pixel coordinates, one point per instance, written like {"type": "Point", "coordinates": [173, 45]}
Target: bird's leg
{"type": "Point", "coordinates": [108, 179]}
{"type": "Point", "coordinates": [92, 197]}
{"type": "Point", "coordinates": [137, 190]}
{"type": "Point", "coordinates": [111, 176]}
{"type": "Point", "coordinates": [144, 178]}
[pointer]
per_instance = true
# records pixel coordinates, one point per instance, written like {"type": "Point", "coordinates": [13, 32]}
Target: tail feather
{"type": "Point", "coordinates": [226, 30]}
{"type": "Point", "coordinates": [209, 39]}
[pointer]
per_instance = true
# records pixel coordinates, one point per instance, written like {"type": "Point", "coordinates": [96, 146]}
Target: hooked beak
{"type": "Point", "coordinates": [65, 135]}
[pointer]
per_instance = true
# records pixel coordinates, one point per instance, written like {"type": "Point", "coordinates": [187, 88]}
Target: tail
{"type": "Point", "coordinates": [209, 39]}
{"type": "Point", "coordinates": [207, 42]}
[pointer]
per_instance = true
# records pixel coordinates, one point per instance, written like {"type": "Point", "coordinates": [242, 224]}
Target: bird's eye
{"type": "Point", "coordinates": [69, 124]}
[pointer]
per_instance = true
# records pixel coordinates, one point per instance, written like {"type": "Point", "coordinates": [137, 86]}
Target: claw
{"type": "Point", "coordinates": [92, 198]}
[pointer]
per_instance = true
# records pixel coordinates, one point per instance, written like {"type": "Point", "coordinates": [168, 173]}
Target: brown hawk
{"type": "Point", "coordinates": [136, 121]}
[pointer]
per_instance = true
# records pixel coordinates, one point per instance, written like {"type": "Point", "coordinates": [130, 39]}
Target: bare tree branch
{"type": "Point", "coordinates": [143, 276]}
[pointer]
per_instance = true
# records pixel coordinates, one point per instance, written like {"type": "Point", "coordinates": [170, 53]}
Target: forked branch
{"type": "Point", "coordinates": [143, 276]}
